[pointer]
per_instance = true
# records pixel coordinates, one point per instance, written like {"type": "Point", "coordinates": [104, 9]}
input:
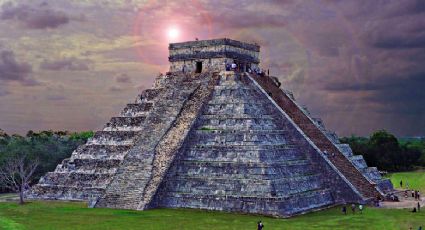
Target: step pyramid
{"type": "Point", "coordinates": [216, 140]}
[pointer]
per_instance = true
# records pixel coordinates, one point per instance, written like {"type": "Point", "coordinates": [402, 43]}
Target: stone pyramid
{"type": "Point", "coordinates": [214, 136]}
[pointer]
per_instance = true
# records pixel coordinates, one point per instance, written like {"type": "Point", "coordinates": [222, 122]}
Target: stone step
{"type": "Point", "coordinates": [126, 121]}
{"type": "Point", "coordinates": [133, 110]}
{"type": "Point", "coordinates": [221, 147]}
{"type": "Point", "coordinates": [240, 123]}
{"type": "Point", "coordinates": [244, 155]}
{"type": "Point", "coordinates": [209, 168]}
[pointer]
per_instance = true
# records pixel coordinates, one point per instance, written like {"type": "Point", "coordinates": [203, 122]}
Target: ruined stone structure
{"type": "Point", "coordinates": [217, 140]}
{"type": "Point", "coordinates": [212, 55]}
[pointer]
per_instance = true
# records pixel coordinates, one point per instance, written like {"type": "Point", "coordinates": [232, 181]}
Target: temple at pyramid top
{"type": "Point", "coordinates": [213, 55]}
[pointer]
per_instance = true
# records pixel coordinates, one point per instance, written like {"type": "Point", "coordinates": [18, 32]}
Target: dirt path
{"type": "Point", "coordinates": [404, 202]}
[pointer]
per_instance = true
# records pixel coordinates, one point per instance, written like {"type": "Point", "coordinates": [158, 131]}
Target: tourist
{"type": "Point", "coordinates": [413, 193]}
{"type": "Point", "coordinates": [419, 207]}
{"type": "Point", "coordinates": [353, 208]}
{"type": "Point", "coordinates": [233, 66]}
{"type": "Point", "coordinates": [344, 210]}
{"type": "Point", "coordinates": [420, 228]}
{"type": "Point", "coordinates": [401, 183]}
{"type": "Point", "coordinates": [361, 208]}
{"type": "Point", "coordinates": [260, 225]}
{"type": "Point", "coordinates": [414, 209]}
{"type": "Point", "coordinates": [419, 195]}
{"type": "Point", "coordinates": [405, 194]}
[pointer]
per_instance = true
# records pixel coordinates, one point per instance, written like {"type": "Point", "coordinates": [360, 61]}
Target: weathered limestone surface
{"type": "Point", "coordinates": [91, 166]}
{"type": "Point", "coordinates": [216, 140]}
{"type": "Point", "coordinates": [212, 53]}
{"type": "Point", "coordinates": [243, 155]}
{"type": "Point", "coordinates": [145, 165]}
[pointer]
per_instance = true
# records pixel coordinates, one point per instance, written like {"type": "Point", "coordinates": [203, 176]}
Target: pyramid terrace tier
{"type": "Point", "coordinates": [64, 192]}
{"type": "Point", "coordinates": [89, 165]}
{"type": "Point", "coordinates": [267, 153]}
{"type": "Point", "coordinates": [136, 109]}
{"type": "Point", "coordinates": [244, 187]}
{"type": "Point", "coordinates": [113, 138]}
{"type": "Point", "coordinates": [77, 179]}
{"type": "Point", "coordinates": [273, 206]}
{"type": "Point", "coordinates": [117, 122]}
{"type": "Point", "coordinates": [273, 170]}
{"type": "Point", "coordinates": [101, 152]}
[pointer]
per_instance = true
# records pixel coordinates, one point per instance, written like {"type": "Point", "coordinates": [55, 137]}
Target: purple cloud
{"type": "Point", "coordinates": [39, 17]}
{"type": "Point", "coordinates": [71, 64]}
{"type": "Point", "coordinates": [12, 70]}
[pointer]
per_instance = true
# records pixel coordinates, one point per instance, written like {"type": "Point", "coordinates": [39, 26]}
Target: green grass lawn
{"type": "Point", "coordinates": [76, 215]}
{"type": "Point", "coordinates": [416, 180]}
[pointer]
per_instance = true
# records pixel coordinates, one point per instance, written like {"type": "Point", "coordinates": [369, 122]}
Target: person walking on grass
{"type": "Point", "coordinates": [401, 183]}
{"type": "Point", "coordinates": [353, 208]}
{"type": "Point", "coordinates": [361, 208]}
{"type": "Point", "coordinates": [260, 225]}
{"type": "Point", "coordinates": [344, 210]}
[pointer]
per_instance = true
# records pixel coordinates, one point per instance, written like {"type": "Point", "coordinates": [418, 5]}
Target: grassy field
{"type": "Point", "coordinates": [416, 180]}
{"type": "Point", "coordinates": [74, 215]}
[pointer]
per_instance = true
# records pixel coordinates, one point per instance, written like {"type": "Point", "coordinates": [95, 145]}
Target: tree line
{"type": "Point", "coordinates": [36, 153]}
{"type": "Point", "coordinates": [48, 148]}
{"type": "Point", "coordinates": [383, 150]}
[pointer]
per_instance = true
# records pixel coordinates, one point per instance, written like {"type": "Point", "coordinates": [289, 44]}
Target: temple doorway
{"type": "Point", "coordinates": [198, 67]}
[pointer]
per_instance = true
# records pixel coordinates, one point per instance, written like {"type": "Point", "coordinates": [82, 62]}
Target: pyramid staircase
{"type": "Point", "coordinates": [362, 184]}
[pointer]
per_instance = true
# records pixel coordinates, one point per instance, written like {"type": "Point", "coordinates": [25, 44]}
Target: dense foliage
{"type": "Point", "coordinates": [385, 151]}
{"type": "Point", "coordinates": [49, 147]}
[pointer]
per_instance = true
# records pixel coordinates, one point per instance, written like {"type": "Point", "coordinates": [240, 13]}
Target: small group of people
{"type": "Point", "coordinates": [414, 193]}
{"type": "Point", "coordinates": [353, 209]}
{"type": "Point", "coordinates": [235, 67]}
{"type": "Point", "coordinates": [232, 67]}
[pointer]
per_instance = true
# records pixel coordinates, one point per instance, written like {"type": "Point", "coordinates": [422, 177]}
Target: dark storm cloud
{"type": "Point", "coordinates": [399, 34]}
{"type": "Point", "coordinates": [38, 17]}
{"type": "Point", "coordinates": [71, 64]}
{"type": "Point", "coordinates": [123, 78]}
{"type": "Point", "coordinates": [12, 70]}
{"type": "Point", "coordinates": [402, 94]}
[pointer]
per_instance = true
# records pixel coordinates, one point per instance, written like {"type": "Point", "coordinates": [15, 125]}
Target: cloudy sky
{"type": "Point", "coordinates": [72, 64]}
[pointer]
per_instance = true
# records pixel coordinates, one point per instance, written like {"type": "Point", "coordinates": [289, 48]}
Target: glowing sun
{"type": "Point", "coordinates": [173, 33]}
